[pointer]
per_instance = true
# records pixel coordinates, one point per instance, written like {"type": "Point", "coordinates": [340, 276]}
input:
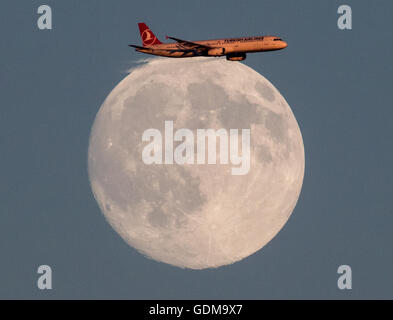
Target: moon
{"type": "Point", "coordinates": [195, 215]}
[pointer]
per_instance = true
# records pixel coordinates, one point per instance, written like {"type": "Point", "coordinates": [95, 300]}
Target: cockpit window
{"type": "Point", "coordinates": [277, 39]}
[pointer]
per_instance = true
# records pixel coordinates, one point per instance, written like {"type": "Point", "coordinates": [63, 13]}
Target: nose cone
{"type": "Point", "coordinates": [284, 44]}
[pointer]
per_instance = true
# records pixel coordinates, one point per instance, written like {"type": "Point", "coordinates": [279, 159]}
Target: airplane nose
{"type": "Point", "coordinates": [284, 44]}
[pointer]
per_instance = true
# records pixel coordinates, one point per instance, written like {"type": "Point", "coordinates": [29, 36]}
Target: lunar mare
{"type": "Point", "coordinates": [195, 216]}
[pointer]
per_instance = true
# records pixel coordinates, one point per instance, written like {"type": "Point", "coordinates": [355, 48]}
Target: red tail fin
{"type": "Point", "coordinates": [148, 37]}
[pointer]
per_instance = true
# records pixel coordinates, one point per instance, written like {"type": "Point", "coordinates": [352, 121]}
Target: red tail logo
{"type": "Point", "coordinates": [148, 37]}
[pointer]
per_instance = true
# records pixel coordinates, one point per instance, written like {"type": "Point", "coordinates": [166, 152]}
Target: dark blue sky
{"type": "Point", "coordinates": [338, 84]}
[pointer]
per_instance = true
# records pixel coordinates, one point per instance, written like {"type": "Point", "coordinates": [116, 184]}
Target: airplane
{"type": "Point", "coordinates": [234, 49]}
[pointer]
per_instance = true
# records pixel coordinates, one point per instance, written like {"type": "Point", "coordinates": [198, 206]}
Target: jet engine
{"type": "Point", "coordinates": [236, 56]}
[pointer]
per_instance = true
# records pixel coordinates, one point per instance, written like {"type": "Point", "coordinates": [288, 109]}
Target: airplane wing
{"type": "Point", "coordinates": [190, 45]}
{"type": "Point", "coordinates": [170, 50]}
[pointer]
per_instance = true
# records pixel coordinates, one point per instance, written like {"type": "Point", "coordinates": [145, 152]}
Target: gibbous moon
{"type": "Point", "coordinates": [195, 215]}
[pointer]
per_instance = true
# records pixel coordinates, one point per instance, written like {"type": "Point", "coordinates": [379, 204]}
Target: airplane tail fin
{"type": "Point", "coordinates": [147, 36]}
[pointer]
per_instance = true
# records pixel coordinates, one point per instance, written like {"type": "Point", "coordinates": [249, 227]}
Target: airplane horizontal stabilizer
{"type": "Point", "coordinates": [137, 47]}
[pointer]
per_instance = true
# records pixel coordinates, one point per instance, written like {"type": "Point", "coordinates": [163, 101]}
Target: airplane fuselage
{"type": "Point", "coordinates": [234, 49]}
{"type": "Point", "coordinates": [220, 47]}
